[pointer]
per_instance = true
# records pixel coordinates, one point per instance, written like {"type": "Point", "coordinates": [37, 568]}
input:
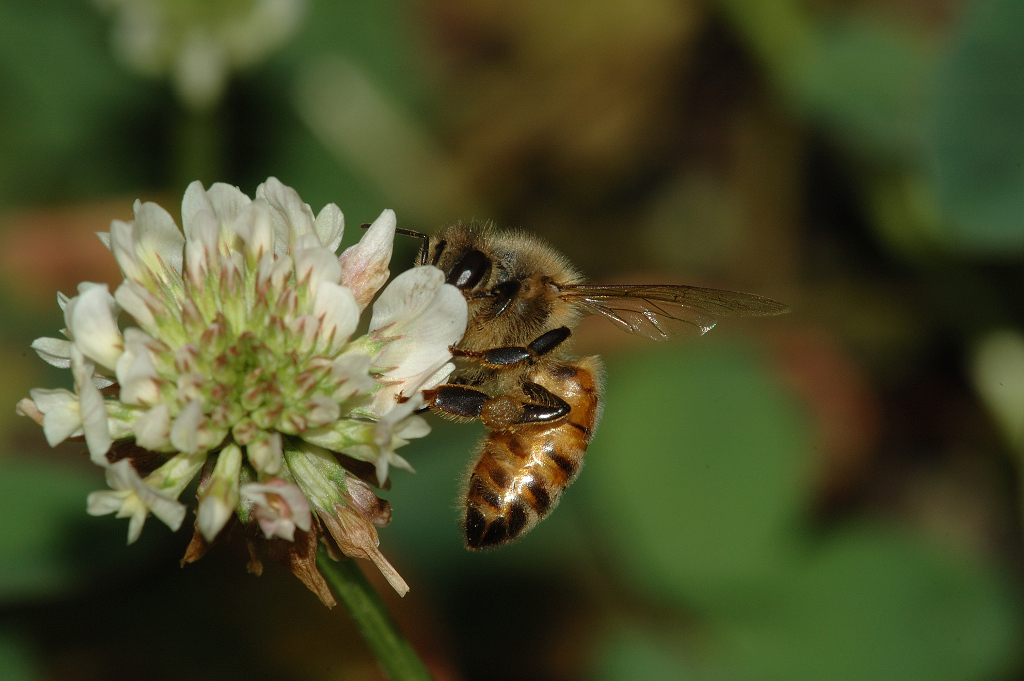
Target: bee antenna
{"type": "Point", "coordinates": [407, 232]}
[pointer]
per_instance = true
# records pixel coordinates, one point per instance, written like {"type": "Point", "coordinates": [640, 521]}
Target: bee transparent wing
{"type": "Point", "coordinates": [655, 311]}
{"type": "Point", "coordinates": [649, 319]}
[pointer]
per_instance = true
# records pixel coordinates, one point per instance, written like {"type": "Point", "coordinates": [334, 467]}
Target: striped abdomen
{"type": "Point", "coordinates": [522, 472]}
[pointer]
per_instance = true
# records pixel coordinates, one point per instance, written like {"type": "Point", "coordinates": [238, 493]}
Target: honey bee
{"type": "Point", "coordinates": [515, 373]}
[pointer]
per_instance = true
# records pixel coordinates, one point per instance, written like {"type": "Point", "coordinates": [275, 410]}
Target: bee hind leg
{"type": "Point", "coordinates": [502, 412]}
{"type": "Point", "coordinates": [544, 407]}
{"type": "Point", "coordinates": [457, 400]}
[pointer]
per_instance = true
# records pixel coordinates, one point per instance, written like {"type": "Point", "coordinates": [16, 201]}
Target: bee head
{"type": "Point", "coordinates": [510, 281]}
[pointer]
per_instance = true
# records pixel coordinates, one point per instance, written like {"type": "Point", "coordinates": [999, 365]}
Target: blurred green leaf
{"type": "Point", "coordinates": [630, 654]}
{"type": "Point", "coordinates": [62, 99]}
{"type": "Point", "coordinates": [367, 130]}
{"type": "Point", "coordinates": [978, 136]}
{"type": "Point", "coordinates": [38, 502]}
{"type": "Point", "coordinates": [861, 77]}
{"type": "Point", "coordinates": [56, 86]}
{"type": "Point", "coordinates": [16, 660]}
{"type": "Point", "coordinates": [867, 82]}
{"type": "Point", "coordinates": [779, 31]}
{"type": "Point", "coordinates": [881, 604]}
{"type": "Point", "coordinates": [905, 212]}
{"type": "Point", "coordinates": [377, 39]}
{"type": "Point", "coordinates": [379, 36]}
{"type": "Point", "coordinates": [699, 469]}
{"type": "Point", "coordinates": [304, 163]}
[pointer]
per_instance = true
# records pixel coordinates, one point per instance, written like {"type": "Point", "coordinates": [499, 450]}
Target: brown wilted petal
{"type": "Point", "coordinates": [376, 510]}
{"type": "Point", "coordinates": [299, 556]}
{"type": "Point", "coordinates": [333, 552]}
{"type": "Point", "coordinates": [255, 565]}
{"type": "Point", "coordinates": [197, 548]}
{"type": "Point", "coordinates": [357, 538]}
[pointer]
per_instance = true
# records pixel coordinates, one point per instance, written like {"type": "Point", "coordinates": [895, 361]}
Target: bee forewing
{"type": "Point", "coordinates": [653, 311]}
{"type": "Point", "coordinates": [648, 320]}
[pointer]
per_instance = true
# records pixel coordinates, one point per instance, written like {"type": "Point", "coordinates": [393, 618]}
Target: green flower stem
{"type": "Point", "coordinates": [199, 152]}
{"type": "Point", "coordinates": [393, 651]}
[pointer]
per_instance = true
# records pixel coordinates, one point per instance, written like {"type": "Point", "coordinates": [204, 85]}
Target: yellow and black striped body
{"type": "Point", "coordinates": [523, 470]}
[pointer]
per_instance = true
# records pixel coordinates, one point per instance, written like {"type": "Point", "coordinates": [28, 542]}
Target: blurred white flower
{"type": "Point", "coordinates": [199, 42]}
{"type": "Point", "coordinates": [997, 370]}
{"type": "Point", "coordinates": [238, 362]}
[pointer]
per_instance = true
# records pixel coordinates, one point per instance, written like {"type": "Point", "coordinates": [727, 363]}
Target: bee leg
{"type": "Point", "coordinates": [505, 356]}
{"type": "Point", "coordinates": [502, 412]}
{"type": "Point", "coordinates": [460, 402]}
{"type": "Point", "coordinates": [457, 400]}
{"type": "Point", "coordinates": [544, 407]}
{"type": "Point", "coordinates": [505, 412]}
{"type": "Point", "coordinates": [546, 342]}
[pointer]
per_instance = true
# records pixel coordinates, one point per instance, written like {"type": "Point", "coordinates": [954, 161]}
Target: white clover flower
{"type": "Point", "coordinates": [200, 42]}
{"type": "Point", "coordinates": [280, 508]}
{"type": "Point", "coordinates": [237, 361]}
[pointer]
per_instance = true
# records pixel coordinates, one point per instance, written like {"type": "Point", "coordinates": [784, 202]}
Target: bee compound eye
{"type": "Point", "coordinates": [468, 272]}
{"type": "Point", "coordinates": [438, 250]}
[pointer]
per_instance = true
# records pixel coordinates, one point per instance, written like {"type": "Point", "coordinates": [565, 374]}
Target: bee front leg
{"type": "Point", "coordinates": [504, 356]}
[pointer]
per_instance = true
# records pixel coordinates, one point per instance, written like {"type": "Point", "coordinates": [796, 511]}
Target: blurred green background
{"type": "Point", "coordinates": [831, 495]}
